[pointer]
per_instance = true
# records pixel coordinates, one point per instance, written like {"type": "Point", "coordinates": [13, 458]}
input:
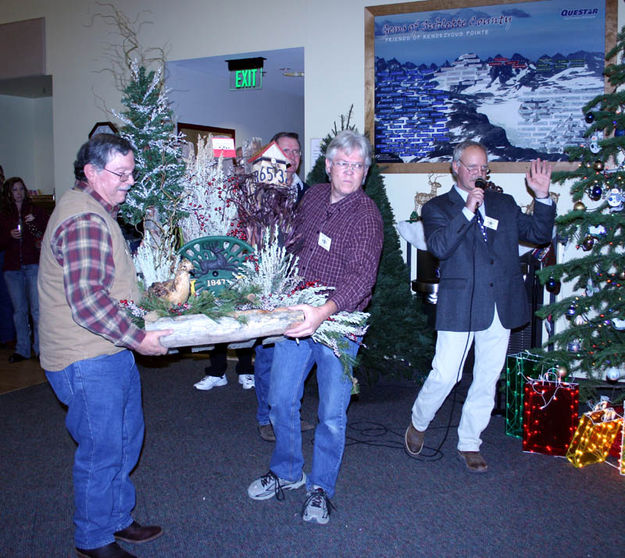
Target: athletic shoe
{"type": "Point", "coordinates": [269, 485]}
{"type": "Point", "coordinates": [317, 506]}
{"type": "Point", "coordinates": [246, 380]}
{"type": "Point", "coordinates": [209, 382]}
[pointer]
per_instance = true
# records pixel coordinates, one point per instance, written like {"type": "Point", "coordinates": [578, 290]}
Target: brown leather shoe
{"type": "Point", "coordinates": [111, 550]}
{"type": "Point", "coordinates": [473, 460]}
{"type": "Point", "coordinates": [413, 441]}
{"type": "Point", "coordinates": [266, 432]}
{"type": "Point", "coordinates": [137, 534]}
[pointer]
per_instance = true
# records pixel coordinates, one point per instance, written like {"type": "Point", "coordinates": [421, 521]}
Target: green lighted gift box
{"type": "Point", "coordinates": [520, 367]}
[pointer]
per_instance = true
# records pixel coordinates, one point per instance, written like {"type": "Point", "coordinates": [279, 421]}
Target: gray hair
{"type": "Point", "coordinates": [463, 146]}
{"type": "Point", "coordinates": [347, 141]}
{"type": "Point", "coordinates": [98, 151]}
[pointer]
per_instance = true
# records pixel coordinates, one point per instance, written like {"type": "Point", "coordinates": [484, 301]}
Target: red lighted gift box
{"type": "Point", "coordinates": [550, 416]}
{"type": "Point", "coordinates": [615, 450]}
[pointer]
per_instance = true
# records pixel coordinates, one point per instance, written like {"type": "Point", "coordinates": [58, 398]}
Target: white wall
{"type": "Point", "coordinates": [25, 140]}
{"type": "Point", "coordinates": [331, 32]}
{"type": "Point", "coordinates": [199, 98]}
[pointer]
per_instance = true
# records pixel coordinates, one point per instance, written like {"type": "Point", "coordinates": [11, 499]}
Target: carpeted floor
{"type": "Point", "coordinates": [202, 450]}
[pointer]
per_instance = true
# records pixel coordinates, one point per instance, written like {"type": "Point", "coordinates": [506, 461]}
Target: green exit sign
{"type": "Point", "coordinates": [246, 79]}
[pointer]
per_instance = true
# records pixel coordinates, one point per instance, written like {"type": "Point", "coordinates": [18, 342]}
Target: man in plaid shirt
{"type": "Point", "coordinates": [337, 236]}
{"type": "Point", "coordinates": [85, 337]}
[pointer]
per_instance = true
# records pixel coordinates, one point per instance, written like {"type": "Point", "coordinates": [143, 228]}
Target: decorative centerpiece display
{"type": "Point", "coordinates": [256, 304]}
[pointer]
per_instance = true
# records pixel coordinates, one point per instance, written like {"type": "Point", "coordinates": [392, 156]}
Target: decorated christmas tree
{"type": "Point", "coordinates": [399, 341]}
{"type": "Point", "coordinates": [593, 339]}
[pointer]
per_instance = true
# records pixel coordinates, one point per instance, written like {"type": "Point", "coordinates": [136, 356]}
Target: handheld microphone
{"type": "Point", "coordinates": [481, 184]}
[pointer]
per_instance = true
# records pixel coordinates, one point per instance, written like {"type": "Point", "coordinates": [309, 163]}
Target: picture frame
{"type": "Point", "coordinates": [193, 131]}
{"type": "Point", "coordinates": [419, 103]}
{"type": "Point", "coordinates": [103, 128]}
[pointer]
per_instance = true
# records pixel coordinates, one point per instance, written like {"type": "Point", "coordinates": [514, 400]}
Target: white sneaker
{"type": "Point", "coordinates": [246, 380]}
{"type": "Point", "coordinates": [317, 506]}
{"type": "Point", "coordinates": [269, 485]}
{"type": "Point", "coordinates": [209, 382]}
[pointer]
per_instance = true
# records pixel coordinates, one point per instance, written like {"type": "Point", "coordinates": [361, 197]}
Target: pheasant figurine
{"type": "Point", "coordinates": [174, 290]}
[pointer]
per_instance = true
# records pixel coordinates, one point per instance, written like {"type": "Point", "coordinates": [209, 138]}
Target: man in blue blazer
{"type": "Point", "coordinates": [475, 235]}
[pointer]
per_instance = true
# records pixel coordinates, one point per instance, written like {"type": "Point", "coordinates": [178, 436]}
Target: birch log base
{"type": "Point", "coordinates": [199, 330]}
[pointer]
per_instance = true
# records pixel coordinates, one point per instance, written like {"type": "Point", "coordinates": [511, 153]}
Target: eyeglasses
{"type": "Point", "coordinates": [344, 165]}
{"type": "Point", "coordinates": [123, 176]}
{"type": "Point", "coordinates": [475, 169]}
{"type": "Point", "coordinates": [293, 152]}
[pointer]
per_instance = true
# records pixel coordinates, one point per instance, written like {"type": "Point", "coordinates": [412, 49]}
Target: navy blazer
{"type": "Point", "coordinates": [475, 275]}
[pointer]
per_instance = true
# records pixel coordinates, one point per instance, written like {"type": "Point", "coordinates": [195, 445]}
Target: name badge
{"type": "Point", "coordinates": [491, 223]}
{"type": "Point", "coordinates": [325, 241]}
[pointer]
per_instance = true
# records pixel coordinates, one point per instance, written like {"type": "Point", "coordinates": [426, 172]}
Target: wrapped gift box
{"type": "Point", "coordinates": [520, 367]}
{"type": "Point", "coordinates": [550, 416]}
{"type": "Point", "coordinates": [594, 436]}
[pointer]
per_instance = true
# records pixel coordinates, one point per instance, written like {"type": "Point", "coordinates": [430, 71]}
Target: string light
{"type": "Point", "coordinates": [550, 414]}
{"type": "Point", "coordinates": [520, 367]}
{"type": "Point", "coordinates": [594, 436]}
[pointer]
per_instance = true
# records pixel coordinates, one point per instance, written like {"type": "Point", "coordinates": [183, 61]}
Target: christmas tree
{"type": "Point", "coordinates": [399, 341]}
{"type": "Point", "coordinates": [593, 342]}
{"type": "Point", "coordinates": [159, 166]}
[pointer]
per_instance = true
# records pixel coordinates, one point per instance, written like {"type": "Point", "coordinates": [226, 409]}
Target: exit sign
{"type": "Point", "coordinates": [246, 79]}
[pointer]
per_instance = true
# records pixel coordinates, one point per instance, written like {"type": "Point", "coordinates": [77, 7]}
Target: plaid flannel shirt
{"type": "Point", "coordinates": [82, 246]}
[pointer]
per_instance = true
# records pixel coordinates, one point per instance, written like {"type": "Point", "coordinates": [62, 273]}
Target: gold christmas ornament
{"type": "Point", "coordinates": [579, 206]}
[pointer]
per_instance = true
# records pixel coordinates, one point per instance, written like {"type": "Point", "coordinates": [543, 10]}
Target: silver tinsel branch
{"type": "Point", "coordinates": [207, 200]}
{"type": "Point", "coordinates": [274, 273]}
{"type": "Point", "coordinates": [156, 261]}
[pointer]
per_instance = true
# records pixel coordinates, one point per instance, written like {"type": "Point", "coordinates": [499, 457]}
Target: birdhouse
{"type": "Point", "coordinates": [269, 165]}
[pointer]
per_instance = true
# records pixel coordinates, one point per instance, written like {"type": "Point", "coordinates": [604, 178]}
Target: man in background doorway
{"type": "Point", "coordinates": [289, 143]}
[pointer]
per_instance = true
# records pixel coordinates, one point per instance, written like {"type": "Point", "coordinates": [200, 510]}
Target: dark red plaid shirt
{"type": "Point", "coordinates": [82, 245]}
{"type": "Point", "coordinates": [349, 262]}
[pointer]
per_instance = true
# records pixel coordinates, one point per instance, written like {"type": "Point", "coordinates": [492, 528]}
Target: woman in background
{"type": "Point", "coordinates": [7, 331]}
{"type": "Point", "coordinates": [21, 227]}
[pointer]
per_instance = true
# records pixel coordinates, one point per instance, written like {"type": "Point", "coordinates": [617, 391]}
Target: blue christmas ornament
{"type": "Point", "coordinates": [573, 346]}
{"type": "Point", "coordinates": [595, 192]}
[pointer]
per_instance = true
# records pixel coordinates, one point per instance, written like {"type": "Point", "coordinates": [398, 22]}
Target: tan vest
{"type": "Point", "coordinates": [61, 340]}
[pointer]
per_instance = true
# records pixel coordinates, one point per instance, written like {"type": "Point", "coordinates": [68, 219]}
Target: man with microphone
{"type": "Point", "coordinates": [475, 235]}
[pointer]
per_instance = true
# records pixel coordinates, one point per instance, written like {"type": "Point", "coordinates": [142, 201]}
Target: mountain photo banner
{"type": "Point", "coordinates": [511, 74]}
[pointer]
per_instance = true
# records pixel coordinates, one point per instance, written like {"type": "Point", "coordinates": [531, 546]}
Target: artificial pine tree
{"type": "Point", "coordinates": [149, 126]}
{"type": "Point", "coordinates": [153, 205]}
{"type": "Point", "coordinates": [594, 340]}
{"type": "Point", "coordinates": [399, 341]}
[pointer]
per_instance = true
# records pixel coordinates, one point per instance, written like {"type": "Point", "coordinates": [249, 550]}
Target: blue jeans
{"type": "Point", "coordinates": [292, 363]}
{"type": "Point", "coordinates": [22, 287]}
{"type": "Point", "coordinates": [262, 376]}
{"type": "Point", "coordinates": [105, 418]}
{"type": "Point", "coordinates": [7, 331]}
